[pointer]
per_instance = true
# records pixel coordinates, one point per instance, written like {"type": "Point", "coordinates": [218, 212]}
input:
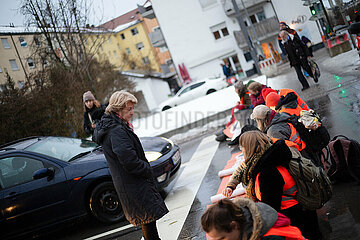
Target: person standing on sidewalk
{"type": "Point", "coordinates": [93, 111]}
{"type": "Point", "coordinates": [298, 54]}
{"type": "Point", "coordinates": [131, 172]}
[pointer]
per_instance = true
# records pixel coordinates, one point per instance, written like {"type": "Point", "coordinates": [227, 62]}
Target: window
{"type": "Point", "coordinates": [132, 65]}
{"type": "Point", "coordinates": [134, 31]}
{"type": "Point", "coordinates": [253, 19]}
{"type": "Point", "coordinates": [219, 31]}
{"type": "Point", "coordinates": [109, 39]}
{"type": "Point", "coordinates": [185, 91]}
{"type": "Point", "coordinates": [247, 56]}
{"type": "Point", "coordinates": [261, 16]}
{"type": "Point", "coordinates": [155, 29]}
{"type": "Point", "coordinates": [0, 70]}
{"type": "Point", "coordinates": [118, 45]}
{"type": "Point", "coordinates": [21, 84]}
{"type": "Point", "coordinates": [163, 49]}
{"type": "Point", "coordinates": [207, 3]}
{"type": "Point", "coordinates": [139, 46]}
{"type": "Point", "coordinates": [122, 36]}
{"type": "Point", "coordinates": [115, 55]}
{"type": "Point", "coordinates": [145, 60]}
{"type": "Point", "coordinates": [37, 81]}
{"type": "Point", "coordinates": [13, 65]}
{"type": "Point", "coordinates": [5, 43]}
{"type": "Point", "coordinates": [127, 50]}
{"type": "Point", "coordinates": [196, 85]}
{"type": "Point", "coordinates": [31, 63]}
{"type": "Point", "coordinates": [18, 170]}
{"type": "Point", "coordinates": [22, 41]}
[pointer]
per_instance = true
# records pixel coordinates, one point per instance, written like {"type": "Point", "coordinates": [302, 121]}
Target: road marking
{"type": "Point", "coordinates": [110, 232]}
{"type": "Point", "coordinates": [182, 195]}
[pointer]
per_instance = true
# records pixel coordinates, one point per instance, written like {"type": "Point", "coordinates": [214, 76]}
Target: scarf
{"type": "Point", "coordinates": [248, 171]}
{"type": "Point", "coordinates": [126, 122]}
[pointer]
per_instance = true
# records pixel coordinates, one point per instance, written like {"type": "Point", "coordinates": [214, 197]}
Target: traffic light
{"type": "Point", "coordinates": [313, 10]}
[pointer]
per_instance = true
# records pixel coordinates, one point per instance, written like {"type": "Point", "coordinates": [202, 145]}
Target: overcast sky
{"type": "Point", "coordinates": [105, 10]}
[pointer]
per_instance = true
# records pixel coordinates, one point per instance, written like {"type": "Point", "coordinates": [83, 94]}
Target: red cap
{"type": "Point", "coordinates": [272, 99]}
{"type": "Point", "coordinates": [266, 91]}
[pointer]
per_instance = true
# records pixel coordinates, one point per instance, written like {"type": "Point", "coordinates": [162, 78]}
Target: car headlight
{"type": "Point", "coordinates": [152, 156]}
{"type": "Point", "coordinates": [161, 178]}
{"type": "Point", "coordinates": [170, 141]}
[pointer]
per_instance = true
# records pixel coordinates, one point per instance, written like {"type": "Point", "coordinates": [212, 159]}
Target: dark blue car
{"type": "Point", "coordinates": [48, 180]}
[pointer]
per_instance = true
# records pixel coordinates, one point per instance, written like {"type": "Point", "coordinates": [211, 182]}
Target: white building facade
{"type": "Point", "coordinates": [202, 34]}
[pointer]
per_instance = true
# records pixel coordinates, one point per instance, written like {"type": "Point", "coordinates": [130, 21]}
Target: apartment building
{"type": "Point", "coordinates": [17, 54]}
{"type": "Point", "coordinates": [204, 33]}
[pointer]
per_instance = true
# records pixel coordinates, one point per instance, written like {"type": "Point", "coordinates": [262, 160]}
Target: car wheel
{"type": "Point", "coordinates": [210, 91]}
{"type": "Point", "coordinates": [166, 108]}
{"type": "Point", "coordinates": [104, 203]}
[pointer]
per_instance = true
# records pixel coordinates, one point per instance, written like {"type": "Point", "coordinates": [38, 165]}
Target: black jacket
{"type": "Point", "coordinates": [130, 171]}
{"type": "Point", "coordinates": [296, 50]}
{"type": "Point", "coordinates": [96, 114]}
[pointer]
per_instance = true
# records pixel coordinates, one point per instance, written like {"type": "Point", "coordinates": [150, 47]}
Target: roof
{"type": "Point", "coordinates": [123, 19]}
{"type": "Point", "coordinates": [18, 30]}
{"type": "Point", "coordinates": [125, 26]}
{"type": "Point", "coordinates": [145, 74]}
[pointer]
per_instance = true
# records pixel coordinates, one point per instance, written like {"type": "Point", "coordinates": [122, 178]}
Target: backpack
{"type": "Point", "coordinates": [341, 159]}
{"type": "Point", "coordinates": [313, 185]}
{"type": "Point", "coordinates": [315, 140]}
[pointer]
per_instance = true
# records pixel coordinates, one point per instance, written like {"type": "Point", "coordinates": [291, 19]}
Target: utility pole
{"type": "Point", "coordinates": [253, 29]}
{"type": "Point", "coordinates": [246, 35]}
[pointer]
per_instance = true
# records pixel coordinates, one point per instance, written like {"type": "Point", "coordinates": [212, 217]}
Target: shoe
{"type": "Point", "coordinates": [234, 142]}
{"type": "Point", "coordinates": [221, 138]}
{"type": "Point", "coordinates": [304, 88]}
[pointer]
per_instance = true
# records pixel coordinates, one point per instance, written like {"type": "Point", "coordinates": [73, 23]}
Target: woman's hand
{"type": "Point", "coordinates": [93, 124]}
{"type": "Point", "coordinates": [227, 192]}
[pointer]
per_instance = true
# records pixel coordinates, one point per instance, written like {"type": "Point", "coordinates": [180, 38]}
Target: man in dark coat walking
{"type": "Point", "coordinates": [298, 54]}
{"type": "Point", "coordinates": [131, 172]}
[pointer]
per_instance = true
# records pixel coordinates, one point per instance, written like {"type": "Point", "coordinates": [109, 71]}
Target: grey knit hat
{"type": "Point", "coordinates": [238, 85]}
{"type": "Point", "coordinates": [260, 112]}
{"type": "Point", "coordinates": [88, 96]}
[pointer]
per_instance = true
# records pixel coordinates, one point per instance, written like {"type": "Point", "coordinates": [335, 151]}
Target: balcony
{"type": "Point", "coordinates": [264, 29]}
{"type": "Point", "coordinates": [229, 8]}
{"type": "Point", "coordinates": [157, 39]}
{"type": "Point", "coordinates": [146, 12]}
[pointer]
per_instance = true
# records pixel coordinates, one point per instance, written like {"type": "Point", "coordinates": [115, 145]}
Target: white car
{"type": "Point", "coordinates": [194, 90]}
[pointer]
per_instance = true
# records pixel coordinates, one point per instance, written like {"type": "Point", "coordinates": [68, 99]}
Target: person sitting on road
{"type": "Point", "coordinates": [265, 174]}
{"type": "Point", "coordinates": [244, 103]}
{"type": "Point", "coordinates": [245, 219]}
{"type": "Point", "coordinates": [258, 93]}
{"type": "Point", "coordinates": [288, 103]}
{"type": "Point", "coordinates": [93, 111]}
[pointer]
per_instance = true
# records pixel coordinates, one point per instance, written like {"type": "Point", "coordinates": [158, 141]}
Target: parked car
{"type": "Point", "coordinates": [194, 90]}
{"type": "Point", "coordinates": [48, 180]}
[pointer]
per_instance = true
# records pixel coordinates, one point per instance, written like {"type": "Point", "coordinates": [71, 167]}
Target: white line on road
{"type": "Point", "coordinates": [110, 232]}
{"type": "Point", "coordinates": [181, 197]}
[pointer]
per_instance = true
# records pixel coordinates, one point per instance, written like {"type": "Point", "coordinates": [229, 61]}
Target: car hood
{"type": "Point", "coordinates": [154, 144]}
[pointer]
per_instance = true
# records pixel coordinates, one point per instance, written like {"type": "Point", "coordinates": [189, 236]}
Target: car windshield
{"type": "Point", "coordinates": [62, 148]}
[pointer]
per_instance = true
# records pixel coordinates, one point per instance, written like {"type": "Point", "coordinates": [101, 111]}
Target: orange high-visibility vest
{"type": "Point", "coordinates": [287, 142]}
{"type": "Point", "coordinates": [242, 99]}
{"type": "Point", "coordinates": [289, 189]}
{"type": "Point", "coordinates": [295, 138]}
{"type": "Point", "coordinates": [289, 232]}
{"type": "Point", "coordinates": [292, 111]}
{"type": "Point", "coordinates": [301, 103]}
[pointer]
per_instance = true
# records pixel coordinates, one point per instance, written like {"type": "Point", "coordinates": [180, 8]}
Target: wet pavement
{"type": "Point", "coordinates": [337, 100]}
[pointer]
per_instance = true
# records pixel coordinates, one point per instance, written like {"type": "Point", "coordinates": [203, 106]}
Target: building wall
{"type": "Point", "coordinates": [155, 91]}
{"type": "Point", "coordinates": [114, 47]}
{"type": "Point", "coordinates": [297, 17]}
{"type": "Point", "coordinates": [186, 27]}
{"type": "Point", "coordinates": [162, 54]}
{"type": "Point", "coordinates": [10, 54]}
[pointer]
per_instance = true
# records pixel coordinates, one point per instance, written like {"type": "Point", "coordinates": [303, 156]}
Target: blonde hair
{"type": "Point", "coordinates": [261, 124]}
{"type": "Point", "coordinates": [255, 87]}
{"type": "Point", "coordinates": [118, 101]}
{"type": "Point", "coordinates": [254, 142]}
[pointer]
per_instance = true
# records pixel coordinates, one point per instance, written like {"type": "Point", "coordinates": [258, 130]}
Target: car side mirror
{"type": "Point", "coordinates": [44, 172]}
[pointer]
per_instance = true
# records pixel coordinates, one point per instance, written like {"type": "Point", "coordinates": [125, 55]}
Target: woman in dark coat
{"type": "Point", "coordinates": [93, 111]}
{"type": "Point", "coordinates": [130, 171]}
{"type": "Point", "coordinates": [263, 173]}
